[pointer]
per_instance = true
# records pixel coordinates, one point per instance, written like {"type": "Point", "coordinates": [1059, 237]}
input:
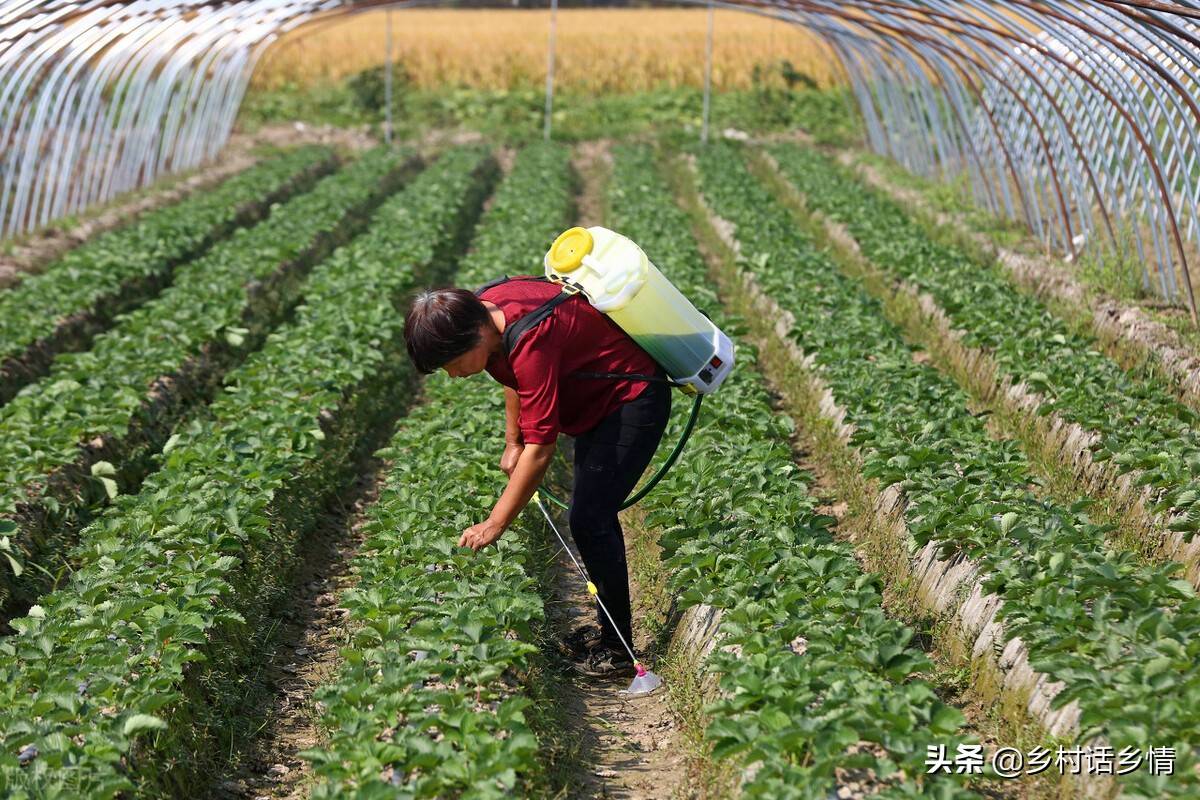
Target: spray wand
{"type": "Point", "coordinates": [645, 682]}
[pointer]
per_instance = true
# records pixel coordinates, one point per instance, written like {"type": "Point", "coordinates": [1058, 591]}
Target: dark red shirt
{"type": "Point", "coordinates": [574, 338]}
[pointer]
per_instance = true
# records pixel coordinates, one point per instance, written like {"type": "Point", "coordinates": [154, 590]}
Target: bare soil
{"type": "Point", "coordinates": [629, 745]}
{"type": "Point", "coordinates": [506, 157]}
{"type": "Point", "coordinates": [592, 162]}
{"type": "Point", "coordinates": [293, 134]}
{"type": "Point", "coordinates": [312, 630]}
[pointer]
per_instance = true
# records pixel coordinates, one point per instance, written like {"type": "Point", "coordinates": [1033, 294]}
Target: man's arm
{"type": "Point", "coordinates": [512, 417]}
{"type": "Point", "coordinates": [513, 441]}
{"type": "Point", "coordinates": [536, 369]}
{"type": "Point", "coordinates": [524, 481]}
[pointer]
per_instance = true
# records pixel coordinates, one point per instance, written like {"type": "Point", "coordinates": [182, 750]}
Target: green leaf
{"type": "Point", "coordinates": [142, 722]}
{"type": "Point", "coordinates": [1156, 666]}
{"type": "Point", "coordinates": [12, 561]}
{"type": "Point", "coordinates": [110, 488]}
{"type": "Point", "coordinates": [103, 468]}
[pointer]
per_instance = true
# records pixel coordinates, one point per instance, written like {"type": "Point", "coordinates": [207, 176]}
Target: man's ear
{"type": "Point", "coordinates": [488, 334]}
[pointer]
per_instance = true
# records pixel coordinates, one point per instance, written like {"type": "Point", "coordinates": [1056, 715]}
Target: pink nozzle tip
{"type": "Point", "coordinates": [640, 670]}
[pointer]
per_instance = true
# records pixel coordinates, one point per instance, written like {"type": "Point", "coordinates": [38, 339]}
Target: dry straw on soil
{"type": "Point", "coordinates": [598, 49]}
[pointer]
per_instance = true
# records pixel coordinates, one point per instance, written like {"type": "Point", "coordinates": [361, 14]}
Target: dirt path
{"type": "Point", "coordinates": [592, 162]}
{"type": "Point", "coordinates": [629, 745]}
{"type": "Point", "coordinates": [312, 630]}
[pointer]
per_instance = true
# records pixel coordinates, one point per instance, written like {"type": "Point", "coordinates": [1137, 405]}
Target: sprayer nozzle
{"type": "Point", "coordinates": [645, 682]}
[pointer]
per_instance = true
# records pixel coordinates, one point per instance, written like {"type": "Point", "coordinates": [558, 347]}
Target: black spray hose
{"type": "Point", "coordinates": [662, 471]}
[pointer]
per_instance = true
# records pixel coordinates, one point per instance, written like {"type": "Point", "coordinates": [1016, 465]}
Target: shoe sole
{"type": "Point", "coordinates": [614, 672]}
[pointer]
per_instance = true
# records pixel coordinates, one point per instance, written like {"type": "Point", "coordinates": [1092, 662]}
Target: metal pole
{"type": "Point", "coordinates": [708, 63]}
{"type": "Point", "coordinates": [387, 80]}
{"type": "Point", "coordinates": [550, 51]}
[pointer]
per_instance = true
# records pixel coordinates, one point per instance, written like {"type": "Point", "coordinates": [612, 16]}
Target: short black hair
{"type": "Point", "coordinates": [442, 325]}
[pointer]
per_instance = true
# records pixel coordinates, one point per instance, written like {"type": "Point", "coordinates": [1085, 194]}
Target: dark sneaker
{"type": "Point", "coordinates": [581, 641]}
{"type": "Point", "coordinates": [604, 662]}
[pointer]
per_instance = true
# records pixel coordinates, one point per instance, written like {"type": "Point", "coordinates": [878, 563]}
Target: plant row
{"type": "Point", "coordinates": [124, 680]}
{"type": "Point", "coordinates": [90, 428]}
{"type": "Point", "coordinates": [1141, 425]}
{"type": "Point", "coordinates": [80, 293]}
{"type": "Point", "coordinates": [1120, 634]}
{"type": "Point", "coordinates": [428, 702]}
{"type": "Point", "coordinates": [811, 667]}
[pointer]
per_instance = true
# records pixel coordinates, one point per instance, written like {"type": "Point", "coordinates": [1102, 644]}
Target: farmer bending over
{"type": "Point", "coordinates": [552, 384]}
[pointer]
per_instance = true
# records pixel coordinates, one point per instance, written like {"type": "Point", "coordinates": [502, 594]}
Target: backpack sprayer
{"type": "Point", "coordinates": [616, 277]}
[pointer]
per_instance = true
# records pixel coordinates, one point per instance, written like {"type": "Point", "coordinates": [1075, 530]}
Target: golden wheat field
{"type": "Point", "coordinates": [608, 50]}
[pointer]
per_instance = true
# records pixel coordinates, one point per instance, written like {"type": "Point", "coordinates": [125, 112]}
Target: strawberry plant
{"type": "Point", "coordinates": [1120, 634]}
{"type": "Point", "coordinates": [1141, 426]}
{"type": "Point", "coordinates": [811, 667]}
{"type": "Point", "coordinates": [123, 680]}
{"type": "Point", "coordinates": [82, 292]}
{"type": "Point", "coordinates": [89, 429]}
{"type": "Point", "coordinates": [428, 702]}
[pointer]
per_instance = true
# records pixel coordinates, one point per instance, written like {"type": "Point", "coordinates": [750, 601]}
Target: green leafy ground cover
{"type": "Point", "coordinates": [89, 428]}
{"type": "Point", "coordinates": [1142, 427]}
{"type": "Point", "coordinates": [120, 268]}
{"type": "Point", "coordinates": [518, 115]}
{"type": "Point", "coordinates": [954, 198]}
{"type": "Point", "coordinates": [1121, 634]}
{"type": "Point", "coordinates": [428, 703]}
{"type": "Point", "coordinates": [810, 665]}
{"type": "Point", "coordinates": [121, 681]}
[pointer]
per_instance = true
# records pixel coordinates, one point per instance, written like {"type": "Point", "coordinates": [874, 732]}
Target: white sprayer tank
{"type": "Point", "coordinates": [618, 279]}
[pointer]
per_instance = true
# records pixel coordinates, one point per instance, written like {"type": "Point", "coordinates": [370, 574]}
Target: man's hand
{"type": "Point", "coordinates": [512, 454]}
{"type": "Point", "coordinates": [479, 536]}
{"type": "Point", "coordinates": [530, 466]}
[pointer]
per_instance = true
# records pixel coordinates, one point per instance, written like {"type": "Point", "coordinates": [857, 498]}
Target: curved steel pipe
{"type": "Point", "coordinates": [1077, 116]}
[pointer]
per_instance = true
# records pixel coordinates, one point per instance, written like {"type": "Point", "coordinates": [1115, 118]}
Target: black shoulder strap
{"type": "Point", "coordinates": [491, 284]}
{"type": "Point", "coordinates": [513, 333]}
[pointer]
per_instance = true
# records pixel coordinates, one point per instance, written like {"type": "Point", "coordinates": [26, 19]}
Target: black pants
{"type": "Point", "coordinates": [609, 460]}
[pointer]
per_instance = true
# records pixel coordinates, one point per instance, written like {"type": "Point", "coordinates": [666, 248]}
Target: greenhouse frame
{"type": "Point", "coordinates": [1079, 119]}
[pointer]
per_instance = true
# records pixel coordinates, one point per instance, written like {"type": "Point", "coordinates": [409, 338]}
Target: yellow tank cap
{"type": "Point", "coordinates": [568, 250]}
